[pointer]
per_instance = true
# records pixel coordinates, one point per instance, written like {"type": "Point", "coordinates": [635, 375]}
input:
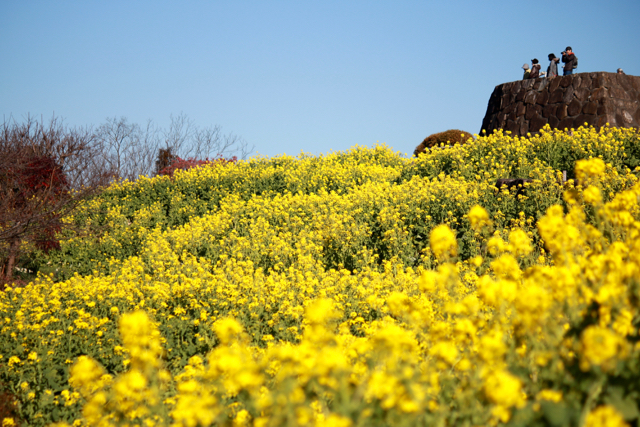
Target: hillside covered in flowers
{"type": "Point", "coordinates": [356, 288]}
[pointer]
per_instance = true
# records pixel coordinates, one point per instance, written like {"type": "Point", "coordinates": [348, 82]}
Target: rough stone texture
{"type": "Point", "coordinates": [525, 106]}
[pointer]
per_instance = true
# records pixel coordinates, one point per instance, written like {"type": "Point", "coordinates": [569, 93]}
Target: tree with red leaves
{"type": "Point", "coordinates": [168, 164]}
{"type": "Point", "coordinates": [45, 171]}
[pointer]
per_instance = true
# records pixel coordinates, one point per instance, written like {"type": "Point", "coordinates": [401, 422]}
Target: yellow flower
{"type": "Point", "coordinates": [335, 420]}
{"type": "Point", "coordinates": [321, 311]}
{"type": "Point", "coordinates": [130, 385]}
{"type": "Point", "coordinates": [141, 339]}
{"type": "Point", "coordinates": [242, 418]}
{"type": "Point", "coordinates": [592, 195]}
{"type": "Point", "coordinates": [445, 350]}
{"type": "Point", "coordinates": [478, 217]}
{"type": "Point", "coordinates": [477, 260]}
{"type": "Point", "coordinates": [496, 245]}
{"type": "Point", "coordinates": [551, 395]}
{"type": "Point", "coordinates": [227, 330]}
{"type": "Point", "coordinates": [506, 267]}
{"type": "Point", "coordinates": [519, 243]}
{"type": "Point", "coordinates": [443, 242]}
{"type": "Point", "coordinates": [504, 389]}
{"type": "Point", "coordinates": [399, 304]}
{"type": "Point", "coordinates": [605, 416]}
{"type": "Point", "coordinates": [589, 168]}
{"type": "Point", "coordinates": [492, 347]}
{"type": "Point", "coordinates": [87, 375]}
{"type": "Point", "coordinates": [601, 347]}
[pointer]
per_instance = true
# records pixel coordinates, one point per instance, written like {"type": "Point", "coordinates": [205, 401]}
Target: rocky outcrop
{"type": "Point", "coordinates": [564, 102]}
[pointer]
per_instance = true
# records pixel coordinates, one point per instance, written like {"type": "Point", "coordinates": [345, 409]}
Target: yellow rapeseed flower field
{"type": "Point", "coordinates": [357, 288]}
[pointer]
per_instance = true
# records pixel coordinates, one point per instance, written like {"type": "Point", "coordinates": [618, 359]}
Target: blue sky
{"type": "Point", "coordinates": [292, 76]}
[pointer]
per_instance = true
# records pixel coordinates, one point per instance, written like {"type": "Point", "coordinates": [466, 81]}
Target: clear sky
{"type": "Point", "coordinates": [291, 76]}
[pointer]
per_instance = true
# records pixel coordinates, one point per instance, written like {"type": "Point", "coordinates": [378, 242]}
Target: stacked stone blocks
{"type": "Point", "coordinates": [567, 102]}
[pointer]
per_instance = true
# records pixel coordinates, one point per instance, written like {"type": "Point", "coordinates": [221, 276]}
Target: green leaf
{"type": "Point", "coordinates": [627, 406]}
{"type": "Point", "coordinates": [53, 379]}
{"type": "Point", "coordinates": [556, 413]}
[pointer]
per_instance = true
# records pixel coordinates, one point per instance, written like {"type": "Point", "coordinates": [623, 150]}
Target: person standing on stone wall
{"type": "Point", "coordinates": [570, 61]}
{"type": "Point", "coordinates": [535, 69]}
{"type": "Point", "coordinates": [620, 71]}
{"type": "Point", "coordinates": [527, 71]}
{"type": "Point", "coordinates": [552, 69]}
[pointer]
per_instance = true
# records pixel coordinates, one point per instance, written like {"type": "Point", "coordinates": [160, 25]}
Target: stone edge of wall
{"type": "Point", "coordinates": [565, 102]}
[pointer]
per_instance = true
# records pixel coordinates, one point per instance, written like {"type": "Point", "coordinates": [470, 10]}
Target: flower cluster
{"type": "Point", "coordinates": [352, 289]}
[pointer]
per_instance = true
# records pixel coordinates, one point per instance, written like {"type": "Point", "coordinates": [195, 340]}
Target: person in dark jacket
{"type": "Point", "coordinates": [552, 69]}
{"type": "Point", "coordinates": [569, 60]}
{"type": "Point", "coordinates": [535, 69]}
{"type": "Point", "coordinates": [527, 71]}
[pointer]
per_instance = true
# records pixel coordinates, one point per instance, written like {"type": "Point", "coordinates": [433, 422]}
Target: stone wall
{"type": "Point", "coordinates": [564, 102]}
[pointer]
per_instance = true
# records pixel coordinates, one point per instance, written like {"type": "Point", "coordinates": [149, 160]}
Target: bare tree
{"type": "Point", "coordinates": [186, 140]}
{"type": "Point", "coordinates": [131, 150]}
{"type": "Point", "coordinates": [211, 142]}
{"type": "Point", "coordinates": [126, 148]}
{"type": "Point", "coordinates": [179, 134]}
{"type": "Point", "coordinates": [45, 171]}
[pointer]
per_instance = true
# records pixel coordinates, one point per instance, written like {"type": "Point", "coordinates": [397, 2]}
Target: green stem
{"type": "Point", "coordinates": [594, 393]}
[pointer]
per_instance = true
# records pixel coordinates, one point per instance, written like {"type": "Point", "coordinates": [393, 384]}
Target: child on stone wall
{"type": "Point", "coordinates": [535, 69]}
